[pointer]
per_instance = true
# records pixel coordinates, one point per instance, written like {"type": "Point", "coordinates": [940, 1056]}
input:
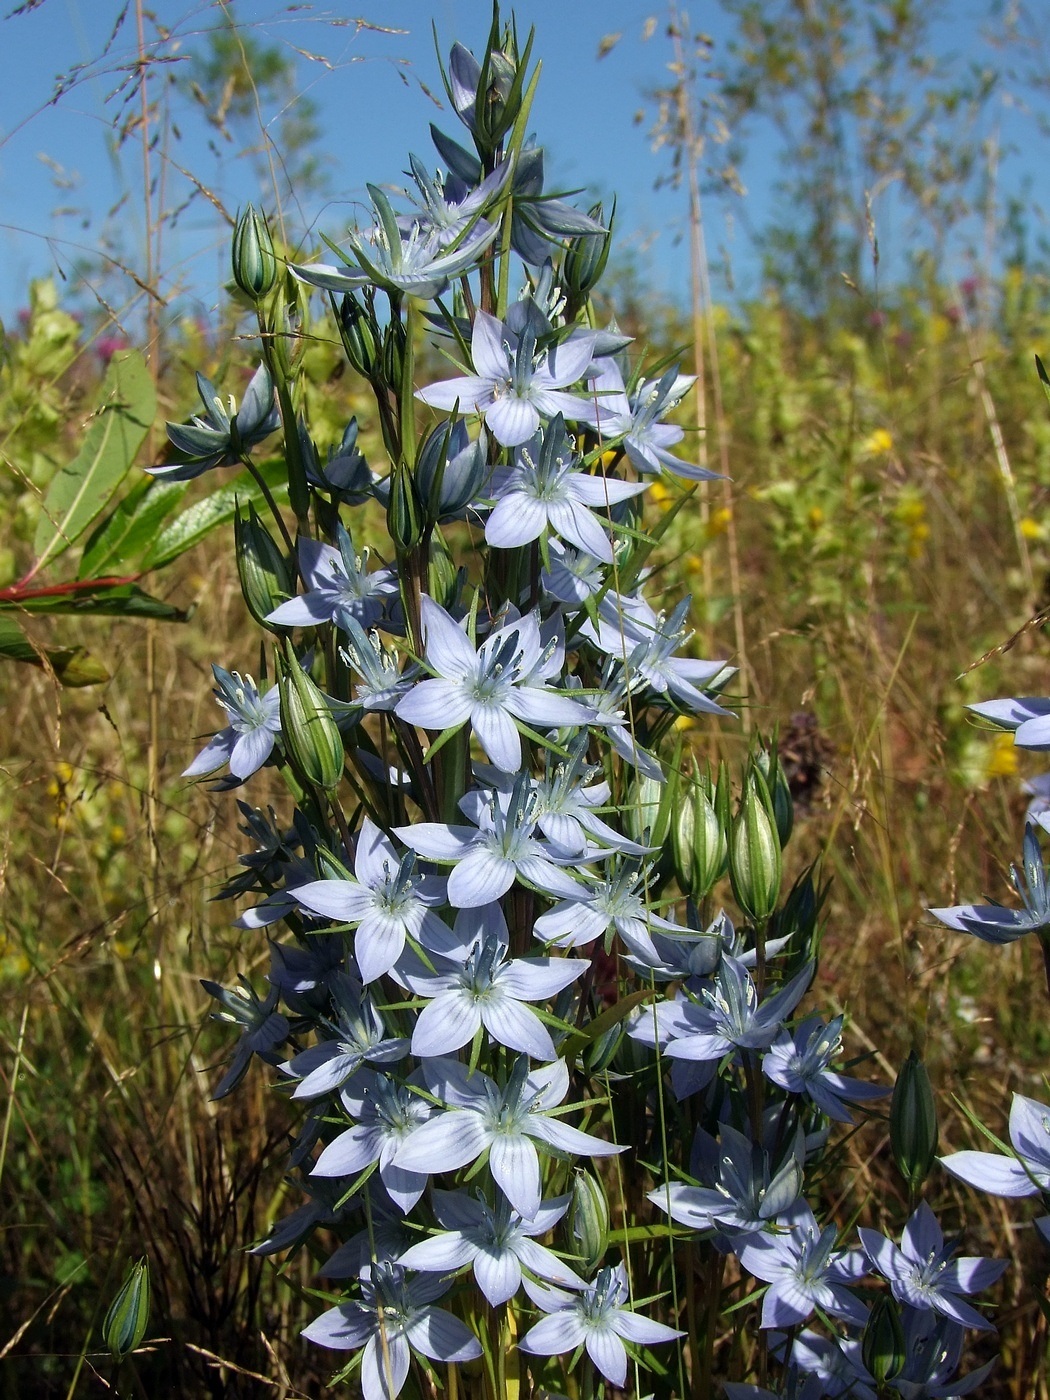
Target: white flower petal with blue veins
{"type": "Point", "coordinates": [515, 1168]}
{"type": "Point", "coordinates": [384, 1369]}
{"type": "Point", "coordinates": [514, 1025]}
{"type": "Point", "coordinates": [447, 1023]}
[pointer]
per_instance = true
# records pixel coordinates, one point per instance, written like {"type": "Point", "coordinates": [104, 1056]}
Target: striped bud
{"type": "Point", "coordinates": [308, 729]}
{"type": "Point", "coordinates": [589, 1219]}
{"type": "Point", "coordinates": [254, 265]}
{"type": "Point", "coordinates": [265, 575]}
{"type": "Point", "coordinates": [913, 1123]}
{"type": "Point", "coordinates": [755, 862]}
{"type": "Point", "coordinates": [128, 1316]}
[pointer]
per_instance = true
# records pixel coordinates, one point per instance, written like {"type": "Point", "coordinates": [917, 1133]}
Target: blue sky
{"type": "Point", "coordinates": [60, 176]}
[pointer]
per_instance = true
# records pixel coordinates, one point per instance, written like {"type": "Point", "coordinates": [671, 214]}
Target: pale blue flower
{"type": "Point", "coordinates": [222, 436]}
{"type": "Point", "coordinates": [923, 1273]}
{"type": "Point", "coordinates": [394, 1318]}
{"type": "Point", "coordinates": [380, 682]}
{"type": "Point", "coordinates": [502, 681]}
{"type": "Point", "coordinates": [571, 576]}
{"type": "Point", "coordinates": [617, 901]}
{"type": "Point", "coordinates": [387, 1114]}
{"type": "Point", "coordinates": [402, 263]}
{"type": "Point", "coordinates": [1027, 1174]}
{"type": "Point", "coordinates": [448, 206]}
{"type": "Point", "coordinates": [512, 385]}
{"type": "Point", "coordinates": [1028, 717]}
{"type": "Point", "coordinates": [804, 1269]}
{"type": "Point", "coordinates": [634, 419]}
{"type": "Point", "coordinates": [800, 1063]}
{"type": "Point", "coordinates": [598, 1319]}
{"type": "Point", "coordinates": [247, 741]}
{"type": "Point", "coordinates": [495, 1241]}
{"type": "Point", "coordinates": [995, 923]}
{"type": "Point", "coordinates": [340, 586]}
{"type": "Point", "coordinates": [731, 1016]}
{"type": "Point", "coordinates": [489, 989]}
{"type": "Point", "coordinates": [546, 490]}
{"type": "Point", "coordinates": [388, 902]}
{"type": "Point", "coordinates": [507, 1123]}
{"type": "Point", "coordinates": [355, 1038]}
{"type": "Point", "coordinates": [263, 1028]}
{"type": "Point", "coordinates": [933, 1346]}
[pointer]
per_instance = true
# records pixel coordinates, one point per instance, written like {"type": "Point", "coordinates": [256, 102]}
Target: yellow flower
{"type": "Point", "coordinates": [878, 444]}
{"type": "Point", "coordinates": [718, 521]}
{"type": "Point", "coordinates": [1002, 759]}
{"type": "Point", "coordinates": [1031, 529]}
{"type": "Point", "coordinates": [660, 494]}
{"type": "Point", "coordinates": [816, 518]}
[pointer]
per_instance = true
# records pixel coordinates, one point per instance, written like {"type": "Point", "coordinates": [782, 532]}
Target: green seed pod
{"type": "Point", "coordinates": [266, 577]}
{"type": "Point", "coordinates": [698, 839]}
{"type": "Point", "coordinates": [254, 265]}
{"type": "Point", "coordinates": [405, 516]}
{"type": "Point", "coordinates": [647, 815]}
{"type": "Point", "coordinates": [883, 1349]}
{"type": "Point", "coordinates": [755, 862]}
{"type": "Point", "coordinates": [311, 737]}
{"type": "Point", "coordinates": [395, 341]}
{"type": "Point", "coordinates": [589, 1219]}
{"type": "Point", "coordinates": [359, 331]}
{"type": "Point", "coordinates": [128, 1316]}
{"type": "Point", "coordinates": [913, 1123]}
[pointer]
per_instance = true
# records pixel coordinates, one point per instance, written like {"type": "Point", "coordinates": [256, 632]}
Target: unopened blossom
{"type": "Point", "coordinates": [512, 385]}
{"type": "Point", "coordinates": [598, 1319]}
{"type": "Point", "coordinates": [800, 1062]}
{"type": "Point", "coordinates": [393, 1318]}
{"type": "Point", "coordinates": [341, 586]}
{"type": "Point", "coordinates": [547, 490]}
{"type": "Point", "coordinates": [495, 1241]}
{"type": "Point", "coordinates": [1026, 1174]}
{"type": "Point", "coordinates": [247, 741]}
{"type": "Point", "coordinates": [502, 681]}
{"type": "Point", "coordinates": [507, 1123]}
{"type": "Point", "coordinates": [804, 1269]}
{"type": "Point", "coordinates": [387, 902]}
{"type": "Point", "coordinates": [489, 989]}
{"type": "Point", "coordinates": [924, 1274]}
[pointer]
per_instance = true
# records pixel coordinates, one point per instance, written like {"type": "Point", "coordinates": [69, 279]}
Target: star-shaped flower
{"type": "Point", "coordinates": [805, 1270]}
{"type": "Point", "coordinates": [247, 741]}
{"type": "Point", "coordinates": [1027, 1174]}
{"type": "Point", "coordinates": [341, 586]}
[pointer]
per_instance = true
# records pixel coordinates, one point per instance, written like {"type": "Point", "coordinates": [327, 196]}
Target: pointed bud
{"type": "Point", "coordinates": [395, 341]}
{"type": "Point", "coordinates": [308, 728]}
{"type": "Point", "coordinates": [254, 265]}
{"type": "Point", "coordinates": [404, 512]}
{"type": "Point", "coordinates": [450, 470]}
{"type": "Point", "coordinates": [128, 1316]}
{"type": "Point", "coordinates": [913, 1123]}
{"type": "Point", "coordinates": [698, 839]}
{"type": "Point", "coordinates": [266, 577]}
{"type": "Point", "coordinates": [589, 1219]}
{"type": "Point", "coordinates": [755, 862]}
{"type": "Point", "coordinates": [647, 815]}
{"type": "Point", "coordinates": [780, 793]}
{"type": "Point", "coordinates": [883, 1349]}
{"type": "Point", "coordinates": [600, 1053]}
{"type": "Point", "coordinates": [585, 259]}
{"type": "Point", "coordinates": [360, 334]}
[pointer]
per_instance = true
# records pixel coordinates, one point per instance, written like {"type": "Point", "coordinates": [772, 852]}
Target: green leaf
{"type": "Point", "coordinates": [120, 540]}
{"type": "Point", "coordinates": [81, 490]}
{"type": "Point", "coordinates": [220, 508]}
{"type": "Point", "coordinates": [124, 600]}
{"type": "Point", "coordinates": [74, 666]}
{"type": "Point", "coordinates": [580, 1039]}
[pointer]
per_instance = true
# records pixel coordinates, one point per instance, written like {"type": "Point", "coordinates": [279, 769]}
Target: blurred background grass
{"type": "Point", "coordinates": [885, 528]}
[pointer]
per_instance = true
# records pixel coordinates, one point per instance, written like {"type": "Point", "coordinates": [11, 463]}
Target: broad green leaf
{"type": "Point", "coordinates": [80, 491]}
{"type": "Point", "coordinates": [125, 536]}
{"type": "Point", "coordinates": [124, 600]}
{"type": "Point", "coordinates": [200, 519]}
{"type": "Point", "coordinates": [74, 666]}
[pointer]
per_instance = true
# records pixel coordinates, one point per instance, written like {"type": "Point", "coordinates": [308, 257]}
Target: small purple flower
{"type": "Point", "coordinates": [804, 1270]}
{"type": "Point", "coordinates": [923, 1274]}
{"type": "Point", "coordinates": [247, 741]}
{"type": "Point", "coordinates": [496, 1241]}
{"type": "Point", "coordinates": [507, 1123]}
{"type": "Point", "coordinates": [393, 1318]}
{"type": "Point", "coordinates": [799, 1063]}
{"type": "Point", "coordinates": [597, 1319]}
{"type": "Point", "coordinates": [511, 386]}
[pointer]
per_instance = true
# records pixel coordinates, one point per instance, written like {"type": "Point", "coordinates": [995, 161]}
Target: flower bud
{"type": "Point", "coordinates": [779, 792]}
{"type": "Point", "coordinates": [883, 1349]}
{"type": "Point", "coordinates": [308, 728]}
{"type": "Point", "coordinates": [600, 1053]}
{"type": "Point", "coordinates": [404, 512]}
{"type": "Point", "coordinates": [913, 1123]}
{"type": "Point", "coordinates": [395, 341]}
{"type": "Point", "coordinates": [450, 470]}
{"type": "Point", "coordinates": [254, 265]}
{"type": "Point", "coordinates": [585, 259]}
{"type": "Point", "coordinates": [647, 815]}
{"type": "Point", "coordinates": [128, 1316]}
{"type": "Point", "coordinates": [698, 839]}
{"type": "Point", "coordinates": [266, 577]}
{"type": "Point", "coordinates": [589, 1219]}
{"type": "Point", "coordinates": [755, 862]}
{"type": "Point", "coordinates": [360, 334]}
